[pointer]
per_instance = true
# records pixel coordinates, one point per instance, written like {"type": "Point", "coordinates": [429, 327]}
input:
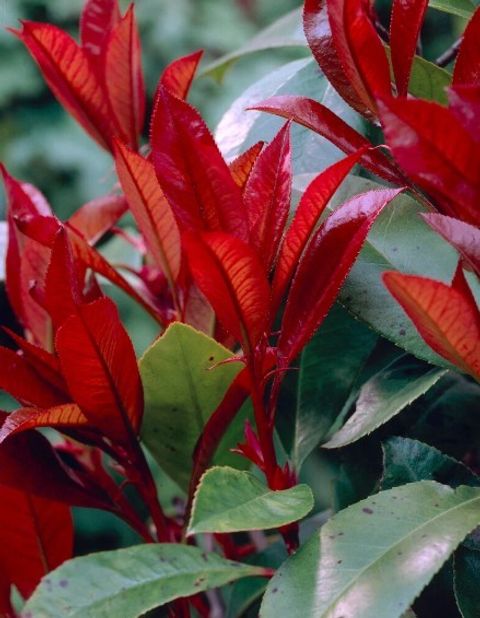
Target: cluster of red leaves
{"type": "Point", "coordinates": [435, 148]}
{"type": "Point", "coordinates": [218, 252]}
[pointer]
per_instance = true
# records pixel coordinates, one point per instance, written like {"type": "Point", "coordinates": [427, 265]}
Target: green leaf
{"type": "Point", "coordinates": [428, 81]}
{"type": "Point", "coordinates": [329, 368]}
{"type": "Point", "coordinates": [240, 129]}
{"type": "Point", "coordinates": [182, 388]}
{"type": "Point", "coordinates": [462, 8]}
{"type": "Point", "coordinates": [399, 240]}
{"type": "Point", "coordinates": [406, 460]}
{"type": "Point", "coordinates": [466, 581]}
{"type": "Point", "coordinates": [228, 500]}
{"type": "Point", "coordinates": [129, 582]}
{"type": "Point", "coordinates": [375, 557]}
{"type": "Point", "coordinates": [285, 32]}
{"type": "Point", "coordinates": [385, 395]}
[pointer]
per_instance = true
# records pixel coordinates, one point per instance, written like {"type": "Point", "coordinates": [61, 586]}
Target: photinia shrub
{"type": "Point", "coordinates": [304, 299]}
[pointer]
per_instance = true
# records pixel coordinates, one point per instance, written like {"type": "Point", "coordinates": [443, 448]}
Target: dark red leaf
{"type": "Point", "coordinates": [178, 76]}
{"type": "Point", "coordinates": [326, 263]}
{"type": "Point", "coordinates": [467, 65]}
{"type": "Point", "coordinates": [232, 278]}
{"type": "Point", "coordinates": [97, 217]}
{"type": "Point", "coordinates": [447, 317]}
{"type": "Point", "coordinates": [406, 22]}
{"type": "Point", "coordinates": [319, 36]}
{"type": "Point", "coordinates": [360, 50]}
{"type": "Point", "coordinates": [70, 75]}
{"type": "Point", "coordinates": [192, 172]}
{"type": "Point", "coordinates": [320, 119]}
{"type": "Point", "coordinates": [267, 197]}
{"type": "Point", "coordinates": [241, 167]}
{"type": "Point", "coordinates": [36, 537]}
{"type": "Point", "coordinates": [100, 368]}
{"type": "Point", "coordinates": [150, 209]}
{"type": "Point", "coordinates": [308, 213]}
{"type": "Point", "coordinates": [96, 22]}
{"type": "Point", "coordinates": [437, 153]}
{"type": "Point", "coordinates": [464, 237]}
{"type": "Point", "coordinates": [124, 78]}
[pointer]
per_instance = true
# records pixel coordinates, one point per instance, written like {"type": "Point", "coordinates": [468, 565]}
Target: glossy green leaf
{"type": "Point", "coordinates": [229, 500]}
{"type": "Point", "coordinates": [183, 385]}
{"type": "Point", "coordinates": [466, 581]}
{"type": "Point", "coordinates": [240, 129]}
{"type": "Point", "coordinates": [462, 8]}
{"type": "Point", "coordinates": [399, 240]}
{"type": "Point", "coordinates": [406, 461]}
{"type": "Point", "coordinates": [285, 32]}
{"type": "Point", "coordinates": [428, 81]}
{"type": "Point", "coordinates": [129, 582]}
{"type": "Point", "coordinates": [329, 367]}
{"type": "Point", "coordinates": [374, 558]}
{"type": "Point", "coordinates": [383, 396]}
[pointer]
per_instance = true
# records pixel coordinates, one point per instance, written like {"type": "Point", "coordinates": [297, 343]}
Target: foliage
{"type": "Point", "coordinates": [360, 270]}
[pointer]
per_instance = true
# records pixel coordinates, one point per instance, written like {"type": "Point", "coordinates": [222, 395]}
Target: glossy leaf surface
{"type": "Point", "coordinates": [178, 76]}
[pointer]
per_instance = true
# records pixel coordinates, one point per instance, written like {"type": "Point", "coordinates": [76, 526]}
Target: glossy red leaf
{"type": "Point", "coordinates": [319, 36]}
{"type": "Point", "coordinates": [309, 210]}
{"type": "Point", "coordinates": [97, 20]}
{"type": "Point", "coordinates": [325, 265]}
{"type": "Point", "coordinates": [70, 75]}
{"type": "Point", "coordinates": [464, 237]}
{"type": "Point", "coordinates": [150, 209]}
{"type": "Point", "coordinates": [64, 281]}
{"type": "Point", "coordinates": [22, 382]}
{"type": "Point", "coordinates": [318, 118]}
{"type": "Point", "coordinates": [100, 368]}
{"type": "Point", "coordinates": [465, 104]}
{"type": "Point", "coordinates": [97, 217]}
{"type": "Point", "coordinates": [36, 537]}
{"type": "Point", "coordinates": [437, 153]}
{"type": "Point", "coordinates": [232, 278]}
{"type": "Point", "coordinates": [241, 167]}
{"type": "Point", "coordinates": [405, 25]}
{"type": "Point", "coordinates": [467, 65]}
{"type": "Point", "coordinates": [124, 78]}
{"type": "Point", "coordinates": [447, 317]}
{"type": "Point", "coordinates": [192, 172]}
{"type": "Point", "coordinates": [57, 417]}
{"type": "Point", "coordinates": [178, 76]}
{"type": "Point", "coordinates": [267, 197]}
{"type": "Point", "coordinates": [359, 49]}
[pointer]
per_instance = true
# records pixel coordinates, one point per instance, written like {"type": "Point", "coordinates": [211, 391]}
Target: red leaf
{"type": "Point", "coordinates": [309, 210]}
{"type": "Point", "coordinates": [360, 50]}
{"type": "Point", "coordinates": [124, 78]}
{"type": "Point", "coordinates": [241, 167]}
{"type": "Point", "coordinates": [320, 119]}
{"type": "Point", "coordinates": [192, 172]}
{"type": "Point", "coordinates": [65, 415]}
{"type": "Point", "coordinates": [22, 382]}
{"type": "Point", "coordinates": [319, 37]}
{"type": "Point", "coordinates": [64, 281]}
{"type": "Point", "coordinates": [324, 267]}
{"type": "Point", "coordinates": [406, 22]}
{"type": "Point", "coordinates": [97, 217]}
{"type": "Point", "coordinates": [100, 368]}
{"type": "Point", "coordinates": [150, 209]}
{"type": "Point", "coordinates": [465, 104]}
{"type": "Point", "coordinates": [436, 152]}
{"type": "Point", "coordinates": [446, 317]}
{"type": "Point", "coordinates": [464, 237]}
{"type": "Point", "coordinates": [467, 65]}
{"type": "Point", "coordinates": [73, 80]}
{"type": "Point", "coordinates": [178, 76]}
{"type": "Point", "coordinates": [267, 197]}
{"type": "Point", "coordinates": [232, 278]}
{"type": "Point", "coordinates": [36, 537]}
{"type": "Point", "coordinates": [96, 22]}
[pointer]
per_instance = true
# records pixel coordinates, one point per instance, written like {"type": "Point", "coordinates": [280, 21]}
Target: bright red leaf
{"type": "Point", "coordinates": [97, 217]}
{"type": "Point", "coordinates": [242, 166]}
{"type": "Point", "coordinates": [467, 65]}
{"type": "Point", "coordinates": [96, 22]}
{"type": "Point", "coordinates": [178, 76]}
{"type": "Point", "coordinates": [325, 264]}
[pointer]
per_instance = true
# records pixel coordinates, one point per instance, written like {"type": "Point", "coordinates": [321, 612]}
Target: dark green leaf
{"type": "Point", "coordinates": [467, 581]}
